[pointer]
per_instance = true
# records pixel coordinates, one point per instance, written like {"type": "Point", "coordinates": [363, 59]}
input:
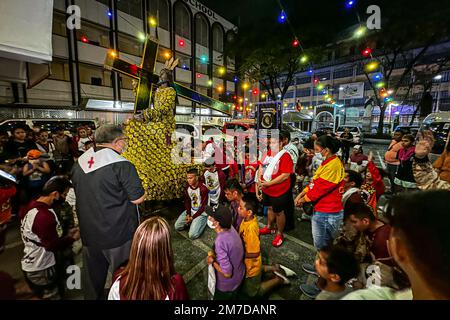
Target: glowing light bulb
{"type": "Point", "coordinates": [245, 86]}
{"type": "Point", "coordinates": [304, 59]}
{"type": "Point", "coordinates": [371, 66]}
{"type": "Point", "coordinates": [222, 71]}
{"type": "Point", "coordinates": [167, 55]}
{"type": "Point", "coordinates": [361, 31]}
{"type": "Point", "coordinates": [210, 83]}
{"type": "Point", "coordinates": [181, 43]}
{"type": "Point", "coordinates": [367, 52]}
{"type": "Point", "coordinates": [112, 53]}
{"type": "Point", "coordinates": [141, 37]}
{"type": "Point", "coordinates": [153, 22]}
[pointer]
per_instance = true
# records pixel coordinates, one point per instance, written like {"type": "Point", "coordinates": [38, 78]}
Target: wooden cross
{"type": "Point", "coordinates": [148, 79]}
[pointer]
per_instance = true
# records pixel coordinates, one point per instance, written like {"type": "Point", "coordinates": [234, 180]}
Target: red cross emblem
{"type": "Point", "coordinates": [91, 162]}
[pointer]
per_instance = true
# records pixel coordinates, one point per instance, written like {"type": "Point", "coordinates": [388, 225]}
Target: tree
{"type": "Point", "coordinates": [407, 25]}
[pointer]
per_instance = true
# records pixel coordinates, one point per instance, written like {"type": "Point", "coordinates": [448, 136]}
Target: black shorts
{"type": "Point", "coordinates": [278, 204]}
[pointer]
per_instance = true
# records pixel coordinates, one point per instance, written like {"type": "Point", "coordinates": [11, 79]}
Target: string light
{"type": "Point", "coordinates": [380, 85]}
{"type": "Point", "coordinates": [350, 4]}
{"type": "Point", "coordinates": [153, 22]}
{"type": "Point", "coordinates": [204, 58]}
{"type": "Point", "coordinates": [235, 79]}
{"type": "Point", "coordinates": [295, 43]}
{"type": "Point", "coordinates": [112, 53]}
{"type": "Point", "coordinates": [255, 91]}
{"type": "Point", "coordinates": [109, 14]}
{"type": "Point", "coordinates": [220, 88]}
{"type": "Point", "coordinates": [199, 75]}
{"type": "Point", "coordinates": [181, 43]}
{"type": "Point", "coordinates": [361, 31]}
{"type": "Point", "coordinates": [310, 71]}
{"type": "Point", "coordinates": [320, 86]}
{"type": "Point", "coordinates": [263, 96]}
{"type": "Point", "coordinates": [371, 66]}
{"type": "Point", "coordinates": [282, 17]}
{"type": "Point", "coordinates": [245, 86]}
{"type": "Point", "coordinates": [241, 100]}
{"type": "Point", "coordinates": [141, 37]}
{"type": "Point", "coordinates": [222, 71]}
{"type": "Point", "coordinates": [184, 66]}
{"type": "Point", "coordinates": [367, 52]}
{"type": "Point", "coordinates": [304, 59]}
{"type": "Point", "coordinates": [377, 77]}
{"type": "Point", "coordinates": [210, 83]}
{"type": "Point", "coordinates": [84, 39]}
{"type": "Point", "coordinates": [167, 55]}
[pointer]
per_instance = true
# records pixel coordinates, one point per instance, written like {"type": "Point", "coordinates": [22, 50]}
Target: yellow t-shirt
{"type": "Point", "coordinates": [249, 232]}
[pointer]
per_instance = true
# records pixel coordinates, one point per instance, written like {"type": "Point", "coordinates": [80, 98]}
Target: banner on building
{"type": "Point", "coordinates": [26, 30]}
{"type": "Point", "coordinates": [352, 91]}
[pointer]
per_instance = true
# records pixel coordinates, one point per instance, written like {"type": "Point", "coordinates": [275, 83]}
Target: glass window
{"type": "Point", "coordinates": [185, 61]}
{"type": "Point", "coordinates": [182, 21]}
{"type": "Point", "coordinates": [130, 45]}
{"type": "Point", "coordinates": [217, 38]}
{"type": "Point", "coordinates": [201, 31]}
{"type": "Point", "coordinates": [343, 73]}
{"type": "Point", "coordinates": [59, 71]}
{"type": "Point", "coordinates": [95, 34]}
{"type": "Point", "coordinates": [94, 75]}
{"type": "Point", "coordinates": [303, 92]}
{"type": "Point", "coordinates": [59, 24]}
{"type": "Point", "coordinates": [160, 10]}
{"type": "Point", "coordinates": [303, 80]}
{"type": "Point", "coordinates": [132, 7]}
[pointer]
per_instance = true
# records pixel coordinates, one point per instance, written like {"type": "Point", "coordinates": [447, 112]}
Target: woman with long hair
{"type": "Point", "coordinates": [404, 177]}
{"type": "Point", "coordinates": [150, 272]}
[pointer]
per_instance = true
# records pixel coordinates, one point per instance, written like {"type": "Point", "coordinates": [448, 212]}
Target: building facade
{"type": "Point", "coordinates": [78, 82]}
{"type": "Point", "coordinates": [347, 68]}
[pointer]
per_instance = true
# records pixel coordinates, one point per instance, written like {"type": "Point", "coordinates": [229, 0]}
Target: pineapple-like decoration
{"type": "Point", "coordinates": [151, 144]}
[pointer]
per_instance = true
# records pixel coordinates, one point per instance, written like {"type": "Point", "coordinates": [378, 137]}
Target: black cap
{"type": "Point", "coordinates": [221, 214]}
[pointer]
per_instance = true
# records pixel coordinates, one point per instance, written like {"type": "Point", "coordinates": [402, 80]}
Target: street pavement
{"type": "Point", "coordinates": [190, 255]}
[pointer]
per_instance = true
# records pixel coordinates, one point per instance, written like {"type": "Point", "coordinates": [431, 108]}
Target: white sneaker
{"type": "Point", "coordinates": [285, 280]}
{"type": "Point", "coordinates": [288, 272]}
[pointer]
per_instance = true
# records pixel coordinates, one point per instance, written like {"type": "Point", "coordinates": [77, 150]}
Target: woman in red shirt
{"type": "Point", "coordinates": [274, 179]}
{"type": "Point", "coordinates": [150, 273]}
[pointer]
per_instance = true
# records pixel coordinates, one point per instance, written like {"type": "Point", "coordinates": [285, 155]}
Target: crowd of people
{"type": "Point", "coordinates": [362, 253]}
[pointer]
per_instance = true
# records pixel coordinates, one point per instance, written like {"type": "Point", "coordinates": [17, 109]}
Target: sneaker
{"type": "Point", "coordinates": [305, 217]}
{"type": "Point", "coordinates": [310, 290]}
{"type": "Point", "coordinates": [278, 241]}
{"type": "Point", "coordinates": [285, 280]}
{"type": "Point", "coordinates": [309, 268]}
{"type": "Point", "coordinates": [266, 230]}
{"type": "Point", "coordinates": [287, 271]}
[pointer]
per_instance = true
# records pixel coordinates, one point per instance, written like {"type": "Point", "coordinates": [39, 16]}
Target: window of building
{"type": "Point", "coordinates": [182, 21]}
{"type": "Point", "coordinates": [59, 24]}
{"type": "Point", "coordinates": [160, 10]}
{"type": "Point", "coordinates": [343, 73]}
{"type": "Point", "coordinates": [217, 32]}
{"type": "Point", "coordinates": [303, 80]}
{"type": "Point", "coordinates": [59, 71]}
{"type": "Point", "coordinates": [323, 76]}
{"type": "Point", "coordinates": [130, 45]}
{"type": "Point", "coordinates": [306, 92]}
{"type": "Point", "coordinates": [96, 35]}
{"type": "Point", "coordinates": [289, 95]}
{"type": "Point", "coordinates": [94, 75]}
{"type": "Point", "coordinates": [185, 61]}
{"type": "Point", "coordinates": [201, 67]}
{"type": "Point", "coordinates": [132, 7]}
{"type": "Point", "coordinates": [201, 31]}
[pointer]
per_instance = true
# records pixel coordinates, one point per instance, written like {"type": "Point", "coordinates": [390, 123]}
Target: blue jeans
{"type": "Point", "coordinates": [197, 225]}
{"type": "Point", "coordinates": [326, 227]}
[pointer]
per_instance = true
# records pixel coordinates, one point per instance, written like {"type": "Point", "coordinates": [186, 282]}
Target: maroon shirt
{"type": "Point", "coordinates": [379, 243]}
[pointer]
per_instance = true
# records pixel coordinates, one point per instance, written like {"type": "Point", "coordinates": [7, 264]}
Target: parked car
{"type": "Point", "coordinates": [296, 133]}
{"type": "Point", "coordinates": [354, 130]}
{"type": "Point", "coordinates": [439, 124]}
{"type": "Point", "coordinates": [408, 129]}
